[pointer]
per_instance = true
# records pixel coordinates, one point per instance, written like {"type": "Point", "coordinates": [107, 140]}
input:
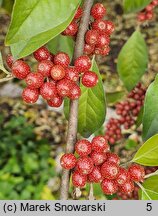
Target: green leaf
{"type": "Point", "coordinates": [135, 5]}
{"type": "Point", "coordinates": [92, 106]}
{"type": "Point", "coordinates": [147, 155]}
{"type": "Point", "coordinates": [25, 34]}
{"type": "Point", "coordinates": [63, 44]}
{"type": "Point", "coordinates": [132, 60]}
{"type": "Point", "coordinates": [7, 5]}
{"type": "Point", "coordinates": [130, 144]}
{"type": "Point", "coordinates": [140, 117]}
{"type": "Point", "coordinates": [150, 189]}
{"type": "Point", "coordinates": [150, 116]}
{"type": "Point", "coordinates": [2, 66]}
{"type": "Point", "coordinates": [114, 97]}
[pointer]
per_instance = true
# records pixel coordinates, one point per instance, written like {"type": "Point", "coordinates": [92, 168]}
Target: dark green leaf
{"type": "Point", "coordinates": [133, 60]}
{"type": "Point", "coordinates": [150, 116]}
{"type": "Point", "coordinates": [114, 97]}
{"type": "Point", "coordinates": [7, 5]}
{"type": "Point", "coordinates": [135, 5]}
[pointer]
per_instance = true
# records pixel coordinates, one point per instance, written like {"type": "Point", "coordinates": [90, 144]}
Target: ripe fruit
{"type": "Point", "coordinates": [78, 13]}
{"type": "Point", "coordinates": [82, 64]}
{"type": "Point", "coordinates": [127, 187]}
{"type": "Point", "coordinates": [103, 40]}
{"type": "Point", "coordinates": [122, 177]}
{"type": "Point", "coordinates": [98, 157]}
{"type": "Point", "coordinates": [98, 11]}
{"type": "Point", "coordinates": [99, 25]}
{"type": "Point", "coordinates": [68, 161]}
{"type": "Point", "coordinates": [75, 92]}
{"type": "Point", "coordinates": [99, 144]}
{"type": "Point", "coordinates": [34, 80]}
{"type": "Point", "coordinates": [136, 172]}
{"type": "Point", "coordinates": [20, 69]}
{"type": "Point", "coordinates": [109, 186]}
{"type": "Point", "coordinates": [71, 74]}
{"type": "Point", "coordinates": [56, 101]}
{"type": "Point", "coordinates": [41, 54]}
{"type": "Point", "coordinates": [83, 147]}
{"type": "Point", "coordinates": [48, 91]}
{"type": "Point", "coordinates": [71, 30]}
{"type": "Point", "coordinates": [91, 37]}
{"type": "Point", "coordinates": [30, 95]}
{"type": "Point", "coordinates": [95, 176]}
{"type": "Point", "coordinates": [44, 67]}
{"type": "Point", "coordinates": [89, 79]}
{"type": "Point", "coordinates": [78, 180]}
{"type": "Point", "coordinates": [84, 165]}
{"type": "Point", "coordinates": [62, 59]}
{"type": "Point", "coordinates": [63, 87]}
{"type": "Point", "coordinates": [110, 170]}
{"type": "Point", "coordinates": [88, 49]}
{"type": "Point", "coordinates": [9, 60]}
{"type": "Point", "coordinates": [110, 27]}
{"type": "Point", "coordinates": [57, 72]}
{"type": "Point", "coordinates": [112, 157]}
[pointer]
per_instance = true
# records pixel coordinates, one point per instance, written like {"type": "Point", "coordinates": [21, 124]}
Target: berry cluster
{"type": "Point", "coordinates": [54, 78]}
{"type": "Point", "coordinates": [148, 12]}
{"type": "Point", "coordinates": [127, 111]}
{"type": "Point", "coordinates": [96, 164]}
{"type": "Point", "coordinates": [97, 37]}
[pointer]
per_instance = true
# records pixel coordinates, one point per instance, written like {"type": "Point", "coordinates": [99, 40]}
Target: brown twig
{"type": "Point", "coordinates": [7, 78]}
{"type": "Point", "coordinates": [73, 115]}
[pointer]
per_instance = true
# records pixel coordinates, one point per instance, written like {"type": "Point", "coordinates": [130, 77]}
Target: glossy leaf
{"type": "Point", "coordinates": [26, 35]}
{"type": "Point", "coordinates": [147, 155]}
{"type": "Point", "coordinates": [92, 107]}
{"type": "Point", "coordinates": [132, 60]}
{"type": "Point", "coordinates": [150, 116]}
{"type": "Point", "coordinates": [150, 189]}
{"type": "Point", "coordinates": [135, 5]}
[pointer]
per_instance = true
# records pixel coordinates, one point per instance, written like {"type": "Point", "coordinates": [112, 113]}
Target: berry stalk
{"type": "Point", "coordinates": [73, 115]}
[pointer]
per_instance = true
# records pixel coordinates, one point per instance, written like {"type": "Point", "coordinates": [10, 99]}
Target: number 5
{"type": "Point", "coordinates": [149, 206]}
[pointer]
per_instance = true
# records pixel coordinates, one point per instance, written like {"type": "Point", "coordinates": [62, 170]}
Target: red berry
{"type": "Point", "coordinates": [155, 2]}
{"type": "Point", "coordinates": [51, 57]}
{"type": "Point", "coordinates": [91, 37]}
{"type": "Point", "coordinates": [71, 30]}
{"type": "Point", "coordinates": [48, 91]}
{"type": "Point", "coordinates": [98, 157]}
{"type": "Point", "coordinates": [44, 67]}
{"type": "Point", "coordinates": [20, 69]}
{"type": "Point", "coordinates": [98, 11]}
{"type": "Point", "coordinates": [64, 87]}
{"type": "Point", "coordinates": [110, 27]}
{"type": "Point", "coordinates": [10, 60]}
{"type": "Point", "coordinates": [41, 54]}
{"type": "Point", "coordinates": [56, 101]}
{"type": "Point", "coordinates": [136, 172]}
{"type": "Point", "coordinates": [89, 79]}
{"type": "Point", "coordinates": [62, 59]}
{"type": "Point", "coordinates": [30, 95]}
{"type": "Point", "coordinates": [149, 7]}
{"type": "Point", "coordinates": [99, 25]}
{"type": "Point", "coordinates": [75, 92]}
{"type": "Point", "coordinates": [122, 177]}
{"type": "Point", "coordinates": [95, 176]}
{"type": "Point", "coordinates": [99, 144]}
{"type": "Point", "coordinates": [78, 180]}
{"type": "Point", "coordinates": [127, 187]}
{"type": "Point", "coordinates": [34, 80]}
{"type": "Point", "coordinates": [102, 51]}
{"type": "Point", "coordinates": [112, 157]}
{"type": "Point", "coordinates": [68, 161]}
{"type": "Point", "coordinates": [83, 147]}
{"type": "Point", "coordinates": [88, 49]}
{"type": "Point", "coordinates": [109, 186]}
{"type": "Point", "coordinates": [110, 170]}
{"type": "Point", "coordinates": [149, 15]}
{"type": "Point", "coordinates": [84, 165]}
{"type": "Point", "coordinates": [72, 74]}
{"type": "Point", "coordinates": [82, 63]}
{"type": "Point", "coordinates": [103, 40]}
{"type": "Point", "coordinates": [78, 13]}
{"type": "Point", "coordinates": [57, 72]}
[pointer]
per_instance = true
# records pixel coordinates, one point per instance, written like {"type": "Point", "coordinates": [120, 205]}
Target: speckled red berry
{"type": "Point", "coordinates": [78, 180]}
{"type": "Point", "coordinates": [75, 92]}
{"type": "Point", "coordinates": [48, 90]}
{"type": "Point", "coordinates": [88, 49]}
{"type": "Point", "coordinates": [83, 147]}
{"type": "Point", "coordinates": [56, 101]}
{"type": "Point", "coordinates": [112, 157]}
{"type": "Point", "coordinates": [41, 54]}
{"type": "Point", "coordinates": [136, 172]}
{"type": "Point", "coordinates": [78, 13]}
{"type": "Point", "coordinates": [34, 80]}
{"type": "Point", "coordinates": [95, 176]}
{"type": "Point", "coordinates": [89, 79]}
{"type": "Point", "coordinates": [20, 69]}
{"type": "Point", "coordinates": [99, 25]}
{"type": "Point", "coordinates": [109, 186]}
{"type": "Point", "coordinates": [91, 37]}
{"type": "Point", "coordinates": [98, 157]}
{"type": "Point", "coordinates": [63, 87]}
{"type": "Point", "coordinates": [110, 27]}
{"type": "Point", "coordinates": [110, 170]}
{"type": "Point", "coordinates": [62, 59]}
{"type": "Point", "coordinates": [84, 165]}
{"type": "Point", "coordinates": [71, 74]}
{"type": "Point", "coordinates": [98, 11]}
{"type": "Point", "coordinates": [10, 60]}
{"type": "Point", "coordinates": [103, 40]}
{"type": "Point", "coordinates": [30, 95]}
{"type": "Point", "coordinates": [57, 72]}
{"type": "Point", "coordinates": [127, 187]}
{"type": "Point", "coordinates": [99, 144]}
{"type": "Point", "coordinates": [122, 177]}
{"type": "Point", "coordinates": [82, 64]}
{"type": "Point", "coordinates": [44, 67]}
{"type": "Point", "coordinates": [71, 30]}
{"type": "Point", "coordinates": [68, 161]}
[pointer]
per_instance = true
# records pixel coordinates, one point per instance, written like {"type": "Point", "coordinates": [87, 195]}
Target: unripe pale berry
{"type": "Point", "coordinates": [30, 95]}
{"type": "Point", "coordinates": [41, 54]}
{"type": "Point", "coordinates": [48, 91]}
{"type": "Point", "coordinates": [84, 165]}
{"type": "Point", "coordinates": [62, 59]}
{"type": "Point", "coordinates": [68, 161]}
{"type": "Point", "coordinates": [20, 69]}
{"type": "Point", "coordinates": [34, 80]}
{"type": "Point", "coordinates": [89, 79]}
{"type": "Point", "coordinates": [83, 147]}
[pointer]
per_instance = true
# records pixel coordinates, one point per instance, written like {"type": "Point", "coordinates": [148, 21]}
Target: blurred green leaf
{"type": "Point", "coordinates": [130, 144]}
{"type": "Point", "coordinates": [135, 5]}
{"type": "Point", "coordinates": [140, 117]}
{"type": "Point", "coordinates": [114, 97]}
{"type": "Point", "coordinates": [7, 5]}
